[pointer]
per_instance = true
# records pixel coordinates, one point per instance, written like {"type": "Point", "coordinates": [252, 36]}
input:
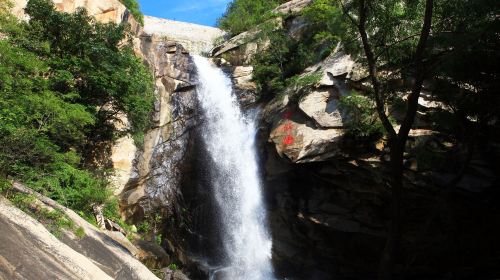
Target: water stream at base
{"type": "Point", "coordinates": [229, 137]}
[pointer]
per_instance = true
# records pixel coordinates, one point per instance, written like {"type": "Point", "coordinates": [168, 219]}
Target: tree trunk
{"type": "Point", "coordinates": [392, 250]}
{"type": "Point", "coordinates": [397, 141]}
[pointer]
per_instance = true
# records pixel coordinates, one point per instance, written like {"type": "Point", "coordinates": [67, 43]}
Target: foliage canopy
{"type": "Point", "coordinates": [243, 15]}
{"type": "Point", "coordinates": [64, 80]}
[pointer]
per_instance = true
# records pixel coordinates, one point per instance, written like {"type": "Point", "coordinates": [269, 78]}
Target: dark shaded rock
{"type": "Point", "coordinates": [152, 254]}
{"type": "Point", "coordinates": [322, 215]}
{"type": "Point", "coordinates": [169, 274]}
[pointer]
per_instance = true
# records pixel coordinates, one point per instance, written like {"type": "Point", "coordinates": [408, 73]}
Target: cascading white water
{"type": "Point", "coordinates": [230, 140]}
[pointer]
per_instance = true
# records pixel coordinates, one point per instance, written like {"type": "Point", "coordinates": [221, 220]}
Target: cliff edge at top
{"type": "Point", "coordinates": [104, 11]}
{"type": "Point", "coordinates": [194, 37]}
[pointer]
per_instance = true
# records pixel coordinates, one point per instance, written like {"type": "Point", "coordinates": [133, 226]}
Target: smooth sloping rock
{"type": "Point", "coordinates": [110, 252]}
{"type": "Point", "coordinates": [29, 251]}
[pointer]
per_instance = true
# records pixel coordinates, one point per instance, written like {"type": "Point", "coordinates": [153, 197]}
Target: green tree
{"type": "Point", "coordinates": [285, 57]}
{"type": "Point", "coordinates": [415, 41]}
{"type": "Point", "coordinates": [326, 23]}
{"type": "Point", "coordinates": [93, 64]}
{"type": "Point", "coordinates": [361, 118]}
{"type": "Point", "coordinates": [242, 15]}
{"type": "Point", "coordinates": [270, 67]}
{"type": "Point", "coordinates": [377, 24]}
{"type": "Point", "coordinates": [64, 78]}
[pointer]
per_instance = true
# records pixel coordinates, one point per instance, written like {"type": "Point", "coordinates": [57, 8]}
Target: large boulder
{"type": "Point", "coordinates": [301, 143]}
{"type": "Point", "coordinates": [322, 106]}
{"type": "Point", "coordinates": [306, 121]}
{"type": "Point", "coordinates": [335, 65]}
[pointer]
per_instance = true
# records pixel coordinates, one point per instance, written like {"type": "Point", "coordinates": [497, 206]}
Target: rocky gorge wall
{"type": "Point", "coordinates": [326, 194]}
{"type": "Point", "coordinates": [175, 81]}
{"type": "Point", "coordinates": [326, 191]}
{"type": "Point", "coordinates": [326, 205]}
{"type": "Point", "coordinates": [147, 179]}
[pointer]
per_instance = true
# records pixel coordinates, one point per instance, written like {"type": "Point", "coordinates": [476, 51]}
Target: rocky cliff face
{"type": "Point", "coordinates": [104, 11]}
{"type": "Point", "coordinates": [325, 202]}
{"type": "Point", "coordinates": [157, 170]}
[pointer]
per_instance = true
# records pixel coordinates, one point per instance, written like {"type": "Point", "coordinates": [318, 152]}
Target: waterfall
{"type": "Point", "coordinates": [229, 137]}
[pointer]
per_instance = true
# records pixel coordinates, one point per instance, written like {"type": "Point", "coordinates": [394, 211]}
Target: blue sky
{"type": "Point", "coordinates": [203, 12]}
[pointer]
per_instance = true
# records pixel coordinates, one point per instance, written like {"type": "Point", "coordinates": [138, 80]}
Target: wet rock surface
{"type": "Point", "coordinates": [243, 85]}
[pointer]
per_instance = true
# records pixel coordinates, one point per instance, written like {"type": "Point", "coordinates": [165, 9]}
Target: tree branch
{"type": "Point", "coordinates": [346, 12]}
{"type": "Point", "coordinates": [419, 74]}
{"type": "Point", "coordinates": [395, 43]}
{"type": "Point", "coordinates": [373, 71]}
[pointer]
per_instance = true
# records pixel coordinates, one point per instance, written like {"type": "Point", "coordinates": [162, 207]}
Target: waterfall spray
{"type": "Point", "coordinates": [229, 137]}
